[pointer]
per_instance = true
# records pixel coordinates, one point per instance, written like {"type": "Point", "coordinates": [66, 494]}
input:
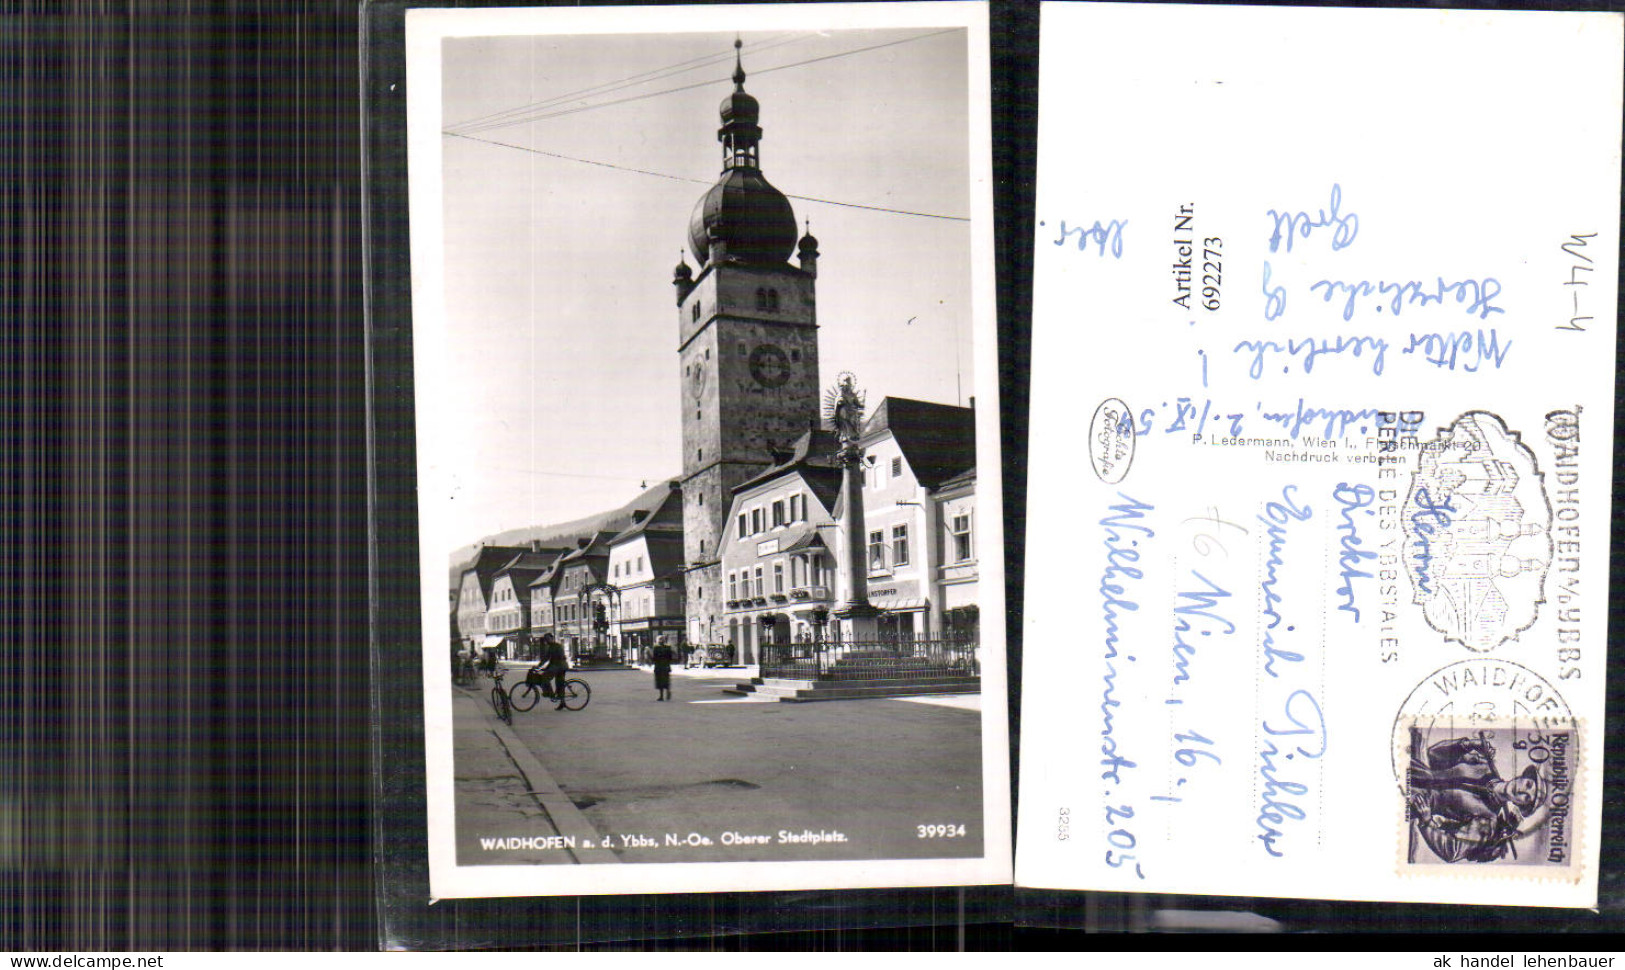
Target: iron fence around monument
{"type": "Point", "coordinates": [885, 659]}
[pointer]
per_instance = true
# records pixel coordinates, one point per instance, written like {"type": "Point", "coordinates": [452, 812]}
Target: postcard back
{"type": "Point", "coordinates": [1320, 453]}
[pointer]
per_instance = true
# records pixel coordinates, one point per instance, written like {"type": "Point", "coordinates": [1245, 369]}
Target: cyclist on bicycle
{"type": "Point", "coordinates": [550, 672]}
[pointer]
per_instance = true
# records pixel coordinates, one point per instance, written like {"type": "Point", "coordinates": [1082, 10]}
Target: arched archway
{"type": "Point", "coordinates": [775, 627]}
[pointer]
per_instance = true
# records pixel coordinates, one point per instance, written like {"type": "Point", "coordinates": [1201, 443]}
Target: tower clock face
{"type": "Point", "coordinates": [697, 381]}
{"type": "Point", "coordinates": [769, 365]}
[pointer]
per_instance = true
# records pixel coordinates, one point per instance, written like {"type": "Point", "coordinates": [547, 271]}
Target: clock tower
{"type": "Point", "coordinates": [747, 344]}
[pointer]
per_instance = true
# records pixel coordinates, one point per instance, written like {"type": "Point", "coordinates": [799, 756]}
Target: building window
{"type": "Point", "coordinates": [733, 588]}
{"type": "Point", "coordinates": [694, 311]}
{"type": "Point", "coordinates": [773, 300]}
{"type": "Point", "coordinates": [959, 527]}
{"type": "Point", "coordinates": [778, 577]}
{"type": "Point", "coordinates": [742, 526]}
{"type": "Point", "coordinates": [778, 513]}
{"type": "Point", "coordinates": [701, 497]}
{"type": "Point", "coordinates": [742, 351]}
{"type": "Point", "coordinates": [761, 298]}
{"type": "Point", "coordinates": [897, 468]}
{"type": "Point", "coordinates": [877, 551]}
{"type": "Point", "coordinates": [699, 454]}
{"type": "Point", "coordinates": [640, 558]}
{"type": "Point", "coordinates": [755, 521]}
{"type": "Point", "coordinates": [899, 545]}
{"type": "Point", "coordinates": [759, 590]}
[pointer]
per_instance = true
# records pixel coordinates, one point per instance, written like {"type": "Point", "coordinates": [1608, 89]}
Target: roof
{"type": "Point", "coordinates": [561, 535]}
{"type": "Point", "coordinates": [665, 553]}
{"type": "Point", "coordinates": [524, 569]}
{"type": "Point", "coordinates": [488, 561]}
{"type": "Point", "coordinates": [665, 517]}
{"type": "Point", "coordinates": [550, 577]}
{"type": "Point", "coordinates": [966, 477]}
{"type": "Point", "coordinates": [597, 547]}
{"type": "Point", "coordinates": [530, 560]}
{"type": "Point", "coordinates": [813, 455]}
{"type": "Point", "coordinates": [939, 440]}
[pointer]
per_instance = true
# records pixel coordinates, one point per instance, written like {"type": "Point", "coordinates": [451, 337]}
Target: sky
{"type": "Point", "coordinates": [560, 353]}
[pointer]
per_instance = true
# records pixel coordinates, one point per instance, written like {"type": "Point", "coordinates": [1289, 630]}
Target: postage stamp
{"type": "Point", "coordinates": [1496, 794]}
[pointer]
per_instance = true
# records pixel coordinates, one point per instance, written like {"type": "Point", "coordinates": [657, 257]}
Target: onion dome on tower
{"type": "Point", "coordinates": [682, 278]}
{"type": "Point", "coordinates": [742, 217]}
{"type": "Point", "coordinates": [807, 250]}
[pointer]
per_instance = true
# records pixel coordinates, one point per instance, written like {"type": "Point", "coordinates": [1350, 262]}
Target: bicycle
{"type": "Point", "coordinates": [523, 695]}
{"type": "Point", "coordinates": [499, 698]}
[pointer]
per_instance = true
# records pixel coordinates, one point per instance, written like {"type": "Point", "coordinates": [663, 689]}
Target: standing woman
{"type": "Point", "coordinates": [663, 658]}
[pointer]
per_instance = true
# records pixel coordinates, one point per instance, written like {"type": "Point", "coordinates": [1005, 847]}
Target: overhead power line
{"type": "Point", "coordinates": [683, 178]}
{"type": "Point", "coordinates": [554, 474]}
{"type": "Point", "coordinates": [700, 84]}
{"type": "Point", "coordinates": [516, 115]}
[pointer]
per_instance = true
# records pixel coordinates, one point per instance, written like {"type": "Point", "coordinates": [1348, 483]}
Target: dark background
{"type": "Point", "coordinates": [187, 748]}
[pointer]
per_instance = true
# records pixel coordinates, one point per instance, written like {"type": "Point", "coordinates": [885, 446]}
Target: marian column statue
{"type": "Point", "coordinates": [845, 411]}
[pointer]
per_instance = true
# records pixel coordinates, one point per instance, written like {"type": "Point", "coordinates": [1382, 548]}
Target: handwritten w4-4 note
{"type": "Point", "coordinates": [1323, 342]}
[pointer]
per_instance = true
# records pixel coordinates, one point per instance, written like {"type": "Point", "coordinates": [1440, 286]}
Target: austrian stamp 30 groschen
{"type": "Point", "coordinates": [1492, 795]}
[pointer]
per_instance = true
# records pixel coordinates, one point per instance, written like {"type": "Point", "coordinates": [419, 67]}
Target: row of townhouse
{"type": "Point", "coordinates": [612, 593]}
{"type": "Point", "coordinates": [615, 593]}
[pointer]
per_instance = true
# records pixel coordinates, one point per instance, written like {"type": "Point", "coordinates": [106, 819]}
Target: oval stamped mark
{"type": "Point", "coordinates": [1111, 441]}
{"type": "Point", "coordinates": [1478, 540]}
{"type": "Point", "coordinates": [1488, 757]}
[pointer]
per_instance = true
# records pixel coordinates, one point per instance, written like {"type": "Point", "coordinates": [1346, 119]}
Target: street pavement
{"type": "Point", "coordinates": [709, 778]}
{"type": "Point", "coordinates": [492, 795]}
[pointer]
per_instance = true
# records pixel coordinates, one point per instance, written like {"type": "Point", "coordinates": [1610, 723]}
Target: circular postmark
{"type": "Point", "coordinates": [1481, 690]}
{"type": "Point", "coordinates": [1111, 441]}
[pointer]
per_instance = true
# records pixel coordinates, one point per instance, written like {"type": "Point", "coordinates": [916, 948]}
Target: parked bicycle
{"type": "Point", "coordinates": [525, 694]}
{"type": "Point", "coordinates": [499, 698]}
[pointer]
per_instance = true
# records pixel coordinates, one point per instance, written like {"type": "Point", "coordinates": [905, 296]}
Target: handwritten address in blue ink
{"type": "Point", "coordinates": [1303, 720]}
{"type": "Point", "coordinates": [1127, 519]}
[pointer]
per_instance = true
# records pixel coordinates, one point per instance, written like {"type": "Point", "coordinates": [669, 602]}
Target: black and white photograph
{"type": "Point", "coordinates": [707, 411]}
